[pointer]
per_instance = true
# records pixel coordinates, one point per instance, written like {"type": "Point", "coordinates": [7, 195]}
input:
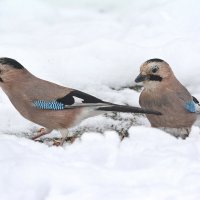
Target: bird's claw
{"type": "Point", "coordinates": [41, 132]}
{"type": "Point", "coordinates": [60, 142]}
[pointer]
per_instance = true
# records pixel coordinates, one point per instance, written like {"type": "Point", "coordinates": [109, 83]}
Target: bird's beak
{"type": "Point", "coordinates": [141, 78]}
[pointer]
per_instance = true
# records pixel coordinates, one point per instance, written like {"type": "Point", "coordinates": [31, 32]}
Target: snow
{"type": "Point", "coordinates": [98, 46]}
{"type": "Point", "coordinates": [148, 165]}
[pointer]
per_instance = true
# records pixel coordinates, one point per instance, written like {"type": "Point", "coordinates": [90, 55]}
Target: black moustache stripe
{"type": "Point", "coordinates": [155, 78]}
{"type": "Point", "coordinates": [1, 80]}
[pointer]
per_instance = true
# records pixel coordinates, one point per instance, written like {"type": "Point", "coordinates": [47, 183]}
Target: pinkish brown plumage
{"type": "Point", "coordinates": [51, 105]}
{"type": "Point", "coordinates": [163, 92]}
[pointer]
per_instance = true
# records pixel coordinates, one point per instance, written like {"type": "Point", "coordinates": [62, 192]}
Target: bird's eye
{"type": "Point", "coordinates": [154, 69]}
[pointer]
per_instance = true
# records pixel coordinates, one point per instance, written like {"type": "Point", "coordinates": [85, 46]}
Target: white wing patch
{"type": "Point", "coordinates": [77, 100]}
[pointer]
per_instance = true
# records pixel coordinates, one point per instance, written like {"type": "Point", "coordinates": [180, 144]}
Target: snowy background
{"type": "Point", "coordinates": [97, 46]}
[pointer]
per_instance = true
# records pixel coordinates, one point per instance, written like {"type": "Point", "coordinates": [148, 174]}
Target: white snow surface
{"type": "Point", "coordinates": [97, 46]}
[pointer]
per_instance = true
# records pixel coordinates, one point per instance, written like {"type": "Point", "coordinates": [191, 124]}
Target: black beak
{"type": "Point", "coordinates": [141, 78]}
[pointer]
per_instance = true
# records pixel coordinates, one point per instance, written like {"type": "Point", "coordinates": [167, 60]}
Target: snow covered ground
{"type": "Point", "coordinates": [97, 46]}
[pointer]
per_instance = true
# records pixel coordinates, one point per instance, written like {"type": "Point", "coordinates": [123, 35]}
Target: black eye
{"type": "Point", "coordinates": [154, 69]}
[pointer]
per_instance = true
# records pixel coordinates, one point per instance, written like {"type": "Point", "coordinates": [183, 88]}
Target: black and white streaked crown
{"type": "Point", "coordinates": [154, 60]}
{"type": "Point", "coordinates": [11, 62]}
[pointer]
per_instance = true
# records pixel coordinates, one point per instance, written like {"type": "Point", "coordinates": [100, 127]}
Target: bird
{"type": "Point", "coordinates": [163, 92]}
{"type": "Point", "coordinates": [50, 105]}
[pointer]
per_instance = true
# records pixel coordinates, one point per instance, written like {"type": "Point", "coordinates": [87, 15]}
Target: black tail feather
{"type": "Point", "coordinates": [128, 109]}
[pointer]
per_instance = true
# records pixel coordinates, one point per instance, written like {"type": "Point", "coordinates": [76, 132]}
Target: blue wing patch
{"type": "Point", "coordinates": [48, 105]}
{"type": "Point", "coordinates": [190, 106]}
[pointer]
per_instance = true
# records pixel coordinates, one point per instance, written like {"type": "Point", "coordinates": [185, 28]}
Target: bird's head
{"type": "Point", "coordinates": [8, 69]}
{"type": "Point", "coordinates": [153, 72]}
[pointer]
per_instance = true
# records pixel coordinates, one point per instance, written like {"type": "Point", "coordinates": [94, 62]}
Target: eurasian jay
{"type": "Point", "coordinates": [51, 105]}
{"type": "Point", "coordinates": [163, 92]}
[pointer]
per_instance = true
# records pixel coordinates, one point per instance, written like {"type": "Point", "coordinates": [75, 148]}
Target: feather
{"type": "Point", "coordinates": [69, 99]}
{"type": "Point", "coordinates": [190, 106]}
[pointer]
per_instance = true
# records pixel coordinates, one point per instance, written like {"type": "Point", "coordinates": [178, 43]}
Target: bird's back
{"type": "Point", "coordinates": [30, 88]}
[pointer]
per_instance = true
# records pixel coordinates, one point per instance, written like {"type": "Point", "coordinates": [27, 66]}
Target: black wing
{"type": "Point", "coordinates": [86, 98]}
{"type": "Point", "coordinates": [195, 100]}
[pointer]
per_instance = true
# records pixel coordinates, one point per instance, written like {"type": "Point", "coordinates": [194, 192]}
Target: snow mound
{"type": "Point", "coordinates": [149, 165]}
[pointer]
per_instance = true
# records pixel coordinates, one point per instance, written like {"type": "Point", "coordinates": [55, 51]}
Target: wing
{"type": "Point", "coordinates": [195, 100]}
{"type": "Point", "coordinates": [188, 101]}
{"type": "Point", "coordinates": [194, 105]}
{"type": "Point", "coordinates": [190, 106]}
{"type": "Point", "coordinates": [72, 100]}
{"type": "Point", "coordinates": [183, 98]}
{"type": "Point", "coordinates": [69, 99]}
{"type": "Point", "coordinates": [197, 104]}
{"type": "Point", "coordinates": [69, 102]}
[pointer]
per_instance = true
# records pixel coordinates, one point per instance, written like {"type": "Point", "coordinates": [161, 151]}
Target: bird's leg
{"type": "Point", "coordinates": [123, 134]}
{"type": "Point", "coordinates": [64, 134]}
{"type": "Point", "coordinates": [41, 132]}
{"type": "Point", "coordinates": [65, 137]}
{"type": "Point", "coordinates": [71, 139]}
{"type": "Point", "coordinates": [185, 133]}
